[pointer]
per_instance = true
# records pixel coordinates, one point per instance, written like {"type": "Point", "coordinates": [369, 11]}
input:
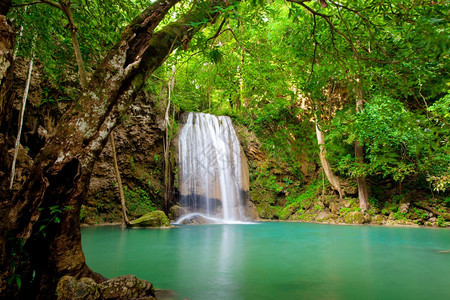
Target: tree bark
{"type": "Point", "coordinates": [363, 192]}
{"type": "Point", "coordinates": [332, 179]}
{"type": "Point", "coordinates": [125, 221]}
{"type": "Point", "coordinates": [61, 172]}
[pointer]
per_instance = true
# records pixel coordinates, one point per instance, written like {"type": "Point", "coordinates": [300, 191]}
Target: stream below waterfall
{"type": "Point", "coordinates": [277, 260]}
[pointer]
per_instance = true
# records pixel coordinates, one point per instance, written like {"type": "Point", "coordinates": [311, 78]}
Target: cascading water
{"type": "Point", "coordinates": [211, 171]}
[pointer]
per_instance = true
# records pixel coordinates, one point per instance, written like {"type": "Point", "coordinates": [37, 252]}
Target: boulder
{"type": "Point", "coordinates": [265, 211]}
{"type": "Point", "coordinates": [123, 287]}
{"type": "Point", "coordinates": [177, 211]}
{"type": "Point", "coordinates": [323, 215]}
{"type": "Point", "coordinates": [155, 218]}
{"type": "Point", "coordinates": [126, 287]}
{"type": "Point", "coordinates": [378, 219]}
{"type": "Point", "coordinates": [355, 217]}
{"type": "Point", "coordinates": [69, 288]}
{"type": "Point", "coordinates": [404, 205]}
{"type": "Point", "coordinates": [196, 219]}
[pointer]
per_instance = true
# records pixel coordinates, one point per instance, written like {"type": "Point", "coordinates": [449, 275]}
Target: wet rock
{"type": "Point", "coordinates": [196, 219]}
{"type": "Point", "coordinates": [177, 211]}
{"type": "Point", "coordinates": [252, 213]}
{"type": "Point", "coordinates": [265, 211]}
{"type": "Point", "coordinates": [153, 219]}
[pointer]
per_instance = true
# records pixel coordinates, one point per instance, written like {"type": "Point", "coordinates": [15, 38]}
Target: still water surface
{"type": "Point", "coordinates": [278, 260]}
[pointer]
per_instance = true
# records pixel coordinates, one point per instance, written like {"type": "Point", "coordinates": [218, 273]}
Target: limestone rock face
{"type": "Point", "coordinates": [154, 219]}
{"type": "Point", "coordinates": [123, 287]}
{"type": "Point", "coordinates": [139, 147]}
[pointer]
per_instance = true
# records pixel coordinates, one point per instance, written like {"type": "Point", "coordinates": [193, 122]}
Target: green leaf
{"type": "Point", "coordinates": [18, 282]}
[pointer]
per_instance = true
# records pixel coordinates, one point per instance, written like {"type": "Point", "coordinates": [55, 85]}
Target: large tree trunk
{"type": "Point", "coordinates": [49, 248]}
{"type": "Point", "coordinates": [332, 179]}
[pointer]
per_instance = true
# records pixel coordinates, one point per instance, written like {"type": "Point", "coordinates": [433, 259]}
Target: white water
{"type": "Point", "coordinates": [210, 170]}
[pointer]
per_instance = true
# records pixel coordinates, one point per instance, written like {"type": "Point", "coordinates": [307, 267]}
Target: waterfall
{"type": "Point", "coordinates": [211, 170]}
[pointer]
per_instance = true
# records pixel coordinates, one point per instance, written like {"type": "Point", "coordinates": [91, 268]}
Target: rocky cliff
{"type": "Point", "coordinates": [139, 145]}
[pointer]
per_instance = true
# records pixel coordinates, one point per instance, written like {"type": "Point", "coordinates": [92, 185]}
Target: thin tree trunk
{"type": "Point", "coordinates": [125, 221]}
{"type": "Point", "coordinates": [20, 35]}
{"type": "Point", "coordinates": [80, 63]}
{"type": "Point", "coordinates": [333, 179]}
{"type": "Point", "coordinates": [64, 6]}
{"type": "Point", "coordinates": [363, 192]}
{"type": "Point", "coordinates": [22, 113]}
{"type": "Point", "coordinates": [167, 179]}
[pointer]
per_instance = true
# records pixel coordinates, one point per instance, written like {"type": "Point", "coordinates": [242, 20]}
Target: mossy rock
{"type": "Point", "coordinates": [289, 210]}
{"type": "Point", "coordinates": [323, 215]}
{"type": "Point", "coordinates": [265, 211]}
{"type": "Point", "coordinates": [378, 219]}
{"type": "Point", "coordinates": [177, 211]}
{"type": "Point", "coordinates": [446, 216]}
{"type": "Point", "coordinates": [259, 195]}
{"type": "Point", "coordinates": [354, 217]}
{"type": "Point", "coordinates": [153, 219]}
{"type": "Point", "coordinates": [307, 217]}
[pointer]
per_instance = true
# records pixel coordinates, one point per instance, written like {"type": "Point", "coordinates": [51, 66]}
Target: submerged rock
{"type": "Point", "coordinates": [196, 219]}
{"type": "Point", "coordinates": [155, 218]}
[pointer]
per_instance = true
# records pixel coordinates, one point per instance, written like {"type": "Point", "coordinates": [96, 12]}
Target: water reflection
{"type": "Point", "coordinates": [278, 260]}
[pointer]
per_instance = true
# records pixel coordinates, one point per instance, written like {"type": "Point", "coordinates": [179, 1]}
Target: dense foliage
{"type": "Point", "coordinates": [278, 67]}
